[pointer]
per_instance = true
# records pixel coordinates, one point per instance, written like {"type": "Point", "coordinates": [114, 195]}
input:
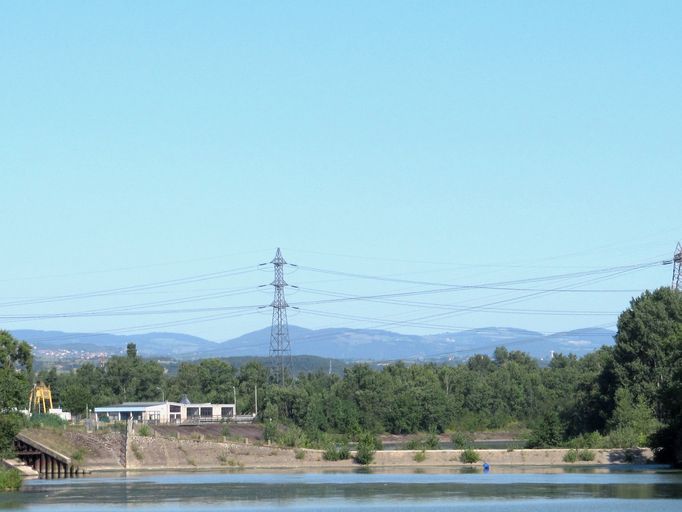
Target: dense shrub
{"type": "Point", "coordinates": [461, 440]}
{"type": "Point", "coordinates": [10, 425]}
{"type": "Point", "coordinates": [367, 446]}
{"type": "Point", "coordinates": [10, 479]}
{"type": "Point", "coordinates": [335, 451]}
{"type": "Point", "coordinates": [469, 456]}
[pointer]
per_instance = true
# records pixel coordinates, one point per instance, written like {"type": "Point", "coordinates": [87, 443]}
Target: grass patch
{"type": "Point", "coordinates": [10, 480]}
{"type": "Point", "coordinates": [78, 455]}
{"type": "Point", "coordinates": [137, 452]}
{"type": "Point", "coordinates": [420, 456]}
{"type": "Point", "coordinates": [300, 454]}
{"type": "Point", "coordinates": [469, 456]}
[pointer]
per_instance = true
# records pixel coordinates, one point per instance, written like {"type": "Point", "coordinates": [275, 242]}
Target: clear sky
{"type": "Point", "coordinates": [459, 143]}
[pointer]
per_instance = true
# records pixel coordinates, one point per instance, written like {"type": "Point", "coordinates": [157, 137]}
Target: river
{"type": "Point", "coordinates": [603, 489]}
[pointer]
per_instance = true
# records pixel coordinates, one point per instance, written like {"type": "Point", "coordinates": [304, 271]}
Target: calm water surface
{"type": "Point", "coordinates": [530, 490]}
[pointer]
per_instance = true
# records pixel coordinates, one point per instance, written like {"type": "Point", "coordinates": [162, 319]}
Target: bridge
{"type": "Point", "coordinates": [46, 461]}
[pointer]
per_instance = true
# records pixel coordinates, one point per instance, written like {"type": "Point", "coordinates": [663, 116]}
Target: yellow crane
{"type": "Point", "coordinates": [40, 399]}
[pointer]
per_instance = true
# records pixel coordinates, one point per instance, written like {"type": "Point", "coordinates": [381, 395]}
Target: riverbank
{"type": "Point", "coordinates": [161, 453]}
{"type": "Point", "coordinates": [115, 451]}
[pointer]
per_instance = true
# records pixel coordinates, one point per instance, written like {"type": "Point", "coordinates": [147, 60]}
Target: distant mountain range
{"type": "Point", "coordinates": [337, 343]}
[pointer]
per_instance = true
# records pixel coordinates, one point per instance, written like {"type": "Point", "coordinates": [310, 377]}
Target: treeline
{"type": "Point", "coordinates": [626, 395]}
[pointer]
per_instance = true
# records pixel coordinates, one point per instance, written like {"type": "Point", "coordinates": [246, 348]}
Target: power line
{"type": "Point", "coordinates": [147, 286]}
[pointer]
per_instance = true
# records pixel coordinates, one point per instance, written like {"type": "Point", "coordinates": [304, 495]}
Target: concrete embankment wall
{"type": "Point", "coordinates": [156, 452]}
{"type": "Point", "coordinates": [115, 452]}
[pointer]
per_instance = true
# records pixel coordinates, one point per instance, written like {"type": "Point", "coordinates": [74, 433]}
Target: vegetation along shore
{"type": "Point", "coordinates": [601, 408]}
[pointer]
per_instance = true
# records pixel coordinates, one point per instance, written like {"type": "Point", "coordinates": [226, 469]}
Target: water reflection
{"type": "Point", "coordinates": [423, 489]}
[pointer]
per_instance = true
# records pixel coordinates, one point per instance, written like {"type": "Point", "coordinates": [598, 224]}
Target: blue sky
{"type": "Point", "coordinates": [449, 142]}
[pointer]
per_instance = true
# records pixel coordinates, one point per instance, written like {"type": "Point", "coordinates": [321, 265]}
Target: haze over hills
{"type": "Point", "coordinates": [338, 343]}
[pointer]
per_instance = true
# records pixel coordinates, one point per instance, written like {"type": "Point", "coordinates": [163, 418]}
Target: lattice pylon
{"type": "Point", "coordinates": [280, 346]}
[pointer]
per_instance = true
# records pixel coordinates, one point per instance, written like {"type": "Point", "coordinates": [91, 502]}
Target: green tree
{"type": "Point", "coordinates": [16, 366]}
{"type": "Point", "coordinates": [548, 433]}
{"type": "Point", "coordinates": [648, 342]}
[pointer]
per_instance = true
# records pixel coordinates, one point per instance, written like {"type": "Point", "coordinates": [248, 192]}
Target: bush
{"type": "Point", "coordinates": [469, 456]}
{"type": "Point", "coordinates": [625, 437]}
{"type": "Point", "coordinates": [571, 455]}
{"type": "Point", "coordinates": [461, 440]}
{"type": "Point", "coordinates": [145, 431]}
{"type": "Point", "coordinates": [548, 434]}
{"type": "Point", "coordinates": [292, 437]}
{"type": "Point", "coordinates": [10, 479]}
{"type": "Point", "coordinates": [225, 431]}
{"type": "Point", "coordinates": [300, 454]}
{"type": "Point", "coordinates": [428, 442]}
{"type": "Point", "coordinates": [420, 456]}
{"type": "Point", "coordinates": [46, 420]}
{"type": "Point", "coordinates": [591, 440]}
{"type": "Point", "coordinates": [270, 431]}
{"type": "Point", "coordinates": [586, 455]}
{"type": "Point", "coordinates": [367, 444]}
{"type": "Point", "coordinates": [336, 452]}
{"type": "Point", "coordinates": [10, 425]}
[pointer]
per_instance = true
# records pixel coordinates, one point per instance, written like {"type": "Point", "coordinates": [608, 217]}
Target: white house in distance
{"type": "Point", "coordinates": [166, 412]}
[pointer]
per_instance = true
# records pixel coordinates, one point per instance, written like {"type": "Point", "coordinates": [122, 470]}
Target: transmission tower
{"type": "Point", "coordinates": [677, 268]}
{"type": "Point", "coordinates": [280, 348]}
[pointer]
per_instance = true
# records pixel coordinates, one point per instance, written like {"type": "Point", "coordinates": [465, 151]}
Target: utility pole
{"type": "Point", "coordinates": [280, 347]}
{"type": "Point", "coordinates": [677, 268]}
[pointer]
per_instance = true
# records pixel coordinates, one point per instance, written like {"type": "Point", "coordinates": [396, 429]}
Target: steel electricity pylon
{"type": "Point", "coordinates": [677, 268]}
{"type": "Point", "coordinates": [280, 346]}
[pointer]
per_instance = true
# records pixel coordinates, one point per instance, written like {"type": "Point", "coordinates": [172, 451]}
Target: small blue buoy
{"type": "Point", "coordinates": [486, 467]}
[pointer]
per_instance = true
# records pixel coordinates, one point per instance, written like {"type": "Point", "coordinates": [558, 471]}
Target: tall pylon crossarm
{"type": "Point", "coordinates": [677, 268]}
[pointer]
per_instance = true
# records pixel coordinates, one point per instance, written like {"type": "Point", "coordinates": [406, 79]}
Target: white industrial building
{"type": "Point", "coordinates": [166, 412]}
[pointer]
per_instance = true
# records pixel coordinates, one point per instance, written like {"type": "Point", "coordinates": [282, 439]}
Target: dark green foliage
{"type": "Point", "coordinates": [45, 420]}
{"type": "Point", "coordinates": [648, 344]}
{"type": "Point", "coordinates": [270, 431]}
{"type": "Point", "coordinates": [461, 440]}
{"type": "Point", "coordinates": [469, 456]}
{"type": "Point", "coordinates": [367, 446]}
{"type": "Point", "coordinates": [10, 479]}
{"type": "Point", "coordinates": [428, 442]}
{"type": "Point", "coordinates": [571, 455]}
{"type": "Point", "coordinates": [336, 451]}
{"type": "Point", "coordinates": [16, 366]}
{"type": "Point", "coordinates": [548, 433]}
{"type": "Point", "coordinates": [10, 425]}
